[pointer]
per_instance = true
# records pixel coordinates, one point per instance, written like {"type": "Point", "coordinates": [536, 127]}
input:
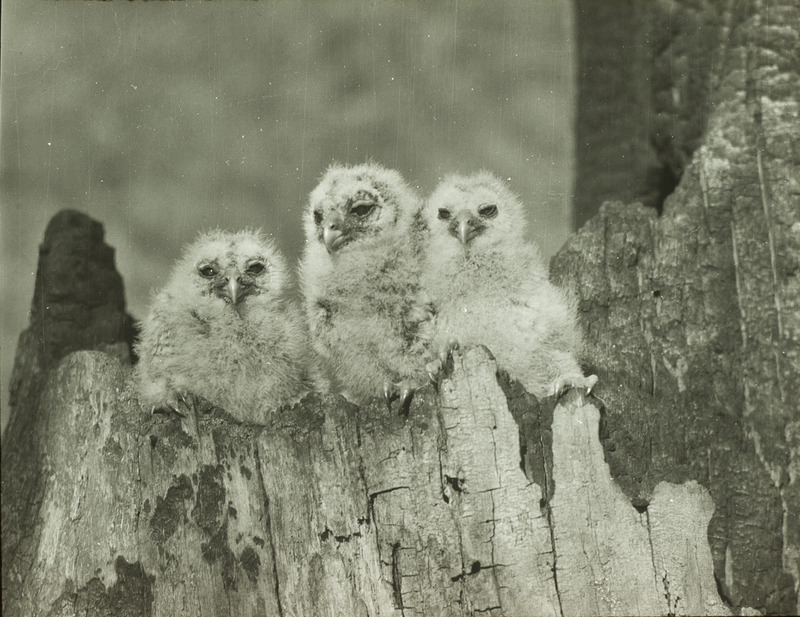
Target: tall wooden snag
{"type": "Point", "coordinates": [692, 305]}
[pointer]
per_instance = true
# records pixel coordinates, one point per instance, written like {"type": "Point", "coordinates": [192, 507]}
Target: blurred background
{"type": "Point", "coordinates": [164, 119]}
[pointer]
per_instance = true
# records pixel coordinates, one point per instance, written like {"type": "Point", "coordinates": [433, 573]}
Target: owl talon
{"type": "Point", "coordinates": [433, 369]}
{"type": "Point", "coordinates": [449, 348]}
{"type": "Point", "coordinates": [169, 407]}
{"type": "Point", "coordinates": [562, 384]}
{"type": "Point", "coordinates": [189, 400]}
{"type": "Point", "coordinates": [404, 392]}
{"type": "Point", "coordinates": [189, 421]}
{"type": "Point", "coordinates": [443, 364]}
{"type": "Point", "coordinates": [389, 393]}
{"type": "Point", "coordinates": [406, 396]}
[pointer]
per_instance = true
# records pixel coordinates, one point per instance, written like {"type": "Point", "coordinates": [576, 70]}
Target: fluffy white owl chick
{"type": "Point", "coordinates": [222, 328]}
{"type": "Point", "coordinates": [490, 285]}
{"type": "Point", "coordinates": [360, 279]}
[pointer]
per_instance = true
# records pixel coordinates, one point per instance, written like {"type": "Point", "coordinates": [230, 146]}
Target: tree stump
{"type": "Point", "coordinates": [483, 500]}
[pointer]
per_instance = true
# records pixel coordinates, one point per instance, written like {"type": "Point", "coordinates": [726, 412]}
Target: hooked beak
{"type": "Point", "coordinates": [467, 229]}
{"type": "Point", "coordinates": [233, 289]}
{"type": "Point", "coordinates": [464, 232]}
{"type": "Point", "coordinates": [333, 238]}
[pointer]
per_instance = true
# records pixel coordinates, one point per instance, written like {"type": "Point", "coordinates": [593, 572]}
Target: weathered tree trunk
{"type": "Point", "coordinates": [692, 307]}
{"type": "Point", "coordinates": [483, 500]}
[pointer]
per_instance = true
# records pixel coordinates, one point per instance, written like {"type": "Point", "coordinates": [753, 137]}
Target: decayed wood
{"type": "Point", "coordinates": [693, 314]}
{"type": "Point", "coordinates": [614, 559]}
{"type": "Point", "coordinates": [78, 303]}
{"type": "Point", "coordinates": [335, 509]}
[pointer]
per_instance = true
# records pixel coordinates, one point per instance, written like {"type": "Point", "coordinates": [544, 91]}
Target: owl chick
{"type": "Point", "coordinates": [490, 286]}
{"type": "Point", "coordinates": [360, 279]}
{"type": "Point", "coordinates": [222, 328]}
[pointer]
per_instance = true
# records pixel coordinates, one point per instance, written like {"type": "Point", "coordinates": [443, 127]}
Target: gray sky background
{"type": "Point", "coordinates": [162, 119]}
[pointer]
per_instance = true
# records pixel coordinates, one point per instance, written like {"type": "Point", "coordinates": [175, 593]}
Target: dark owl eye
{"type": "Point", "coordinates": [488, 212]}
{"type": "Point", "coordinates": [255, 268]}
{"type": "Point", "coordinates": [362, 209]}
{"type": "Point", "coordinates": [444, 214]}
{"type": "Point", "coordinates": [317, 217]}
{"type": "Point", "coordinates": [207, 271]}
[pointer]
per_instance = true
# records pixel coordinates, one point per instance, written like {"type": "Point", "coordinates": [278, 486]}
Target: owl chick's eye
{"type": "Point", "coordinates": [362, 208]}
{"type": "Point", "coordinates": [488, 211]}
{"type": "Point", "coordinates": [444, 214]}
{"type": "Point", "coordinates": [207, 271]}
{"type": "Point", "coordinates": [255, 268]}
{"type": "Point", "coordinates": [317, 217]}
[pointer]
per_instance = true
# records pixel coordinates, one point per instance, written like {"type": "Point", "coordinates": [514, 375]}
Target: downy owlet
{"type": "Point", "coordinates": [360, 278]}
{"type": "Point", "coordinates": [490, 285]}
{"type": "Point", "coordinates": [222, 328]}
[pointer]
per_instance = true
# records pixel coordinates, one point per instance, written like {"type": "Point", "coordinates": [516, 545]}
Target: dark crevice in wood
{"type": "Point", "coordinates": [547, 511]}
{"type": "Point", "coordinates": [474, 568]}
{"type": "Point", "coordinates": [664, 181]}
{"type": "Point", "coordinates": [672, 607]}
{"type": "Point", "coordinates": [457, 484]}
{"type": "Point", "coordinates": [397, 577]}
{"type": "Point", "coordinates": [442, 481]}
{"type": "Point", "coordinates": [534, 419]}
{"type": "Point", "coordinates": [650, 543]}
{"type": "Point", "coordinates": [269, 530]}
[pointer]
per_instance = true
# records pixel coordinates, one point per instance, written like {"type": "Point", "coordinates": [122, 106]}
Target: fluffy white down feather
{"type": "Point", "coordinates": [249, 356]}
{"type": "Point", "coordinates": [360, 276]}
{"type": "Point", "coordinates": [490, 286]}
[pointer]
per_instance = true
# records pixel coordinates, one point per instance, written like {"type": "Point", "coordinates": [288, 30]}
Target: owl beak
{"type": "Point", "coordinates": [233, 289]}
{"type": "Point", "coordinates": [332, 237]}
{"type": "Point", "coordinates": [467, 229]}
{"type": "Point", "coordinates": [464, 231]}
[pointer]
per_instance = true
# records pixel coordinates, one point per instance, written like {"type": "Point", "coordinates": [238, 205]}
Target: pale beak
{"type": "Point", "coordinates": [464, 232]}
{"type": "Point", "coordinates": [233, 288]}
{"type": "Point", "coordinates": [332, 238]}
{"type": "Point", "coordinates": [465, 227]}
